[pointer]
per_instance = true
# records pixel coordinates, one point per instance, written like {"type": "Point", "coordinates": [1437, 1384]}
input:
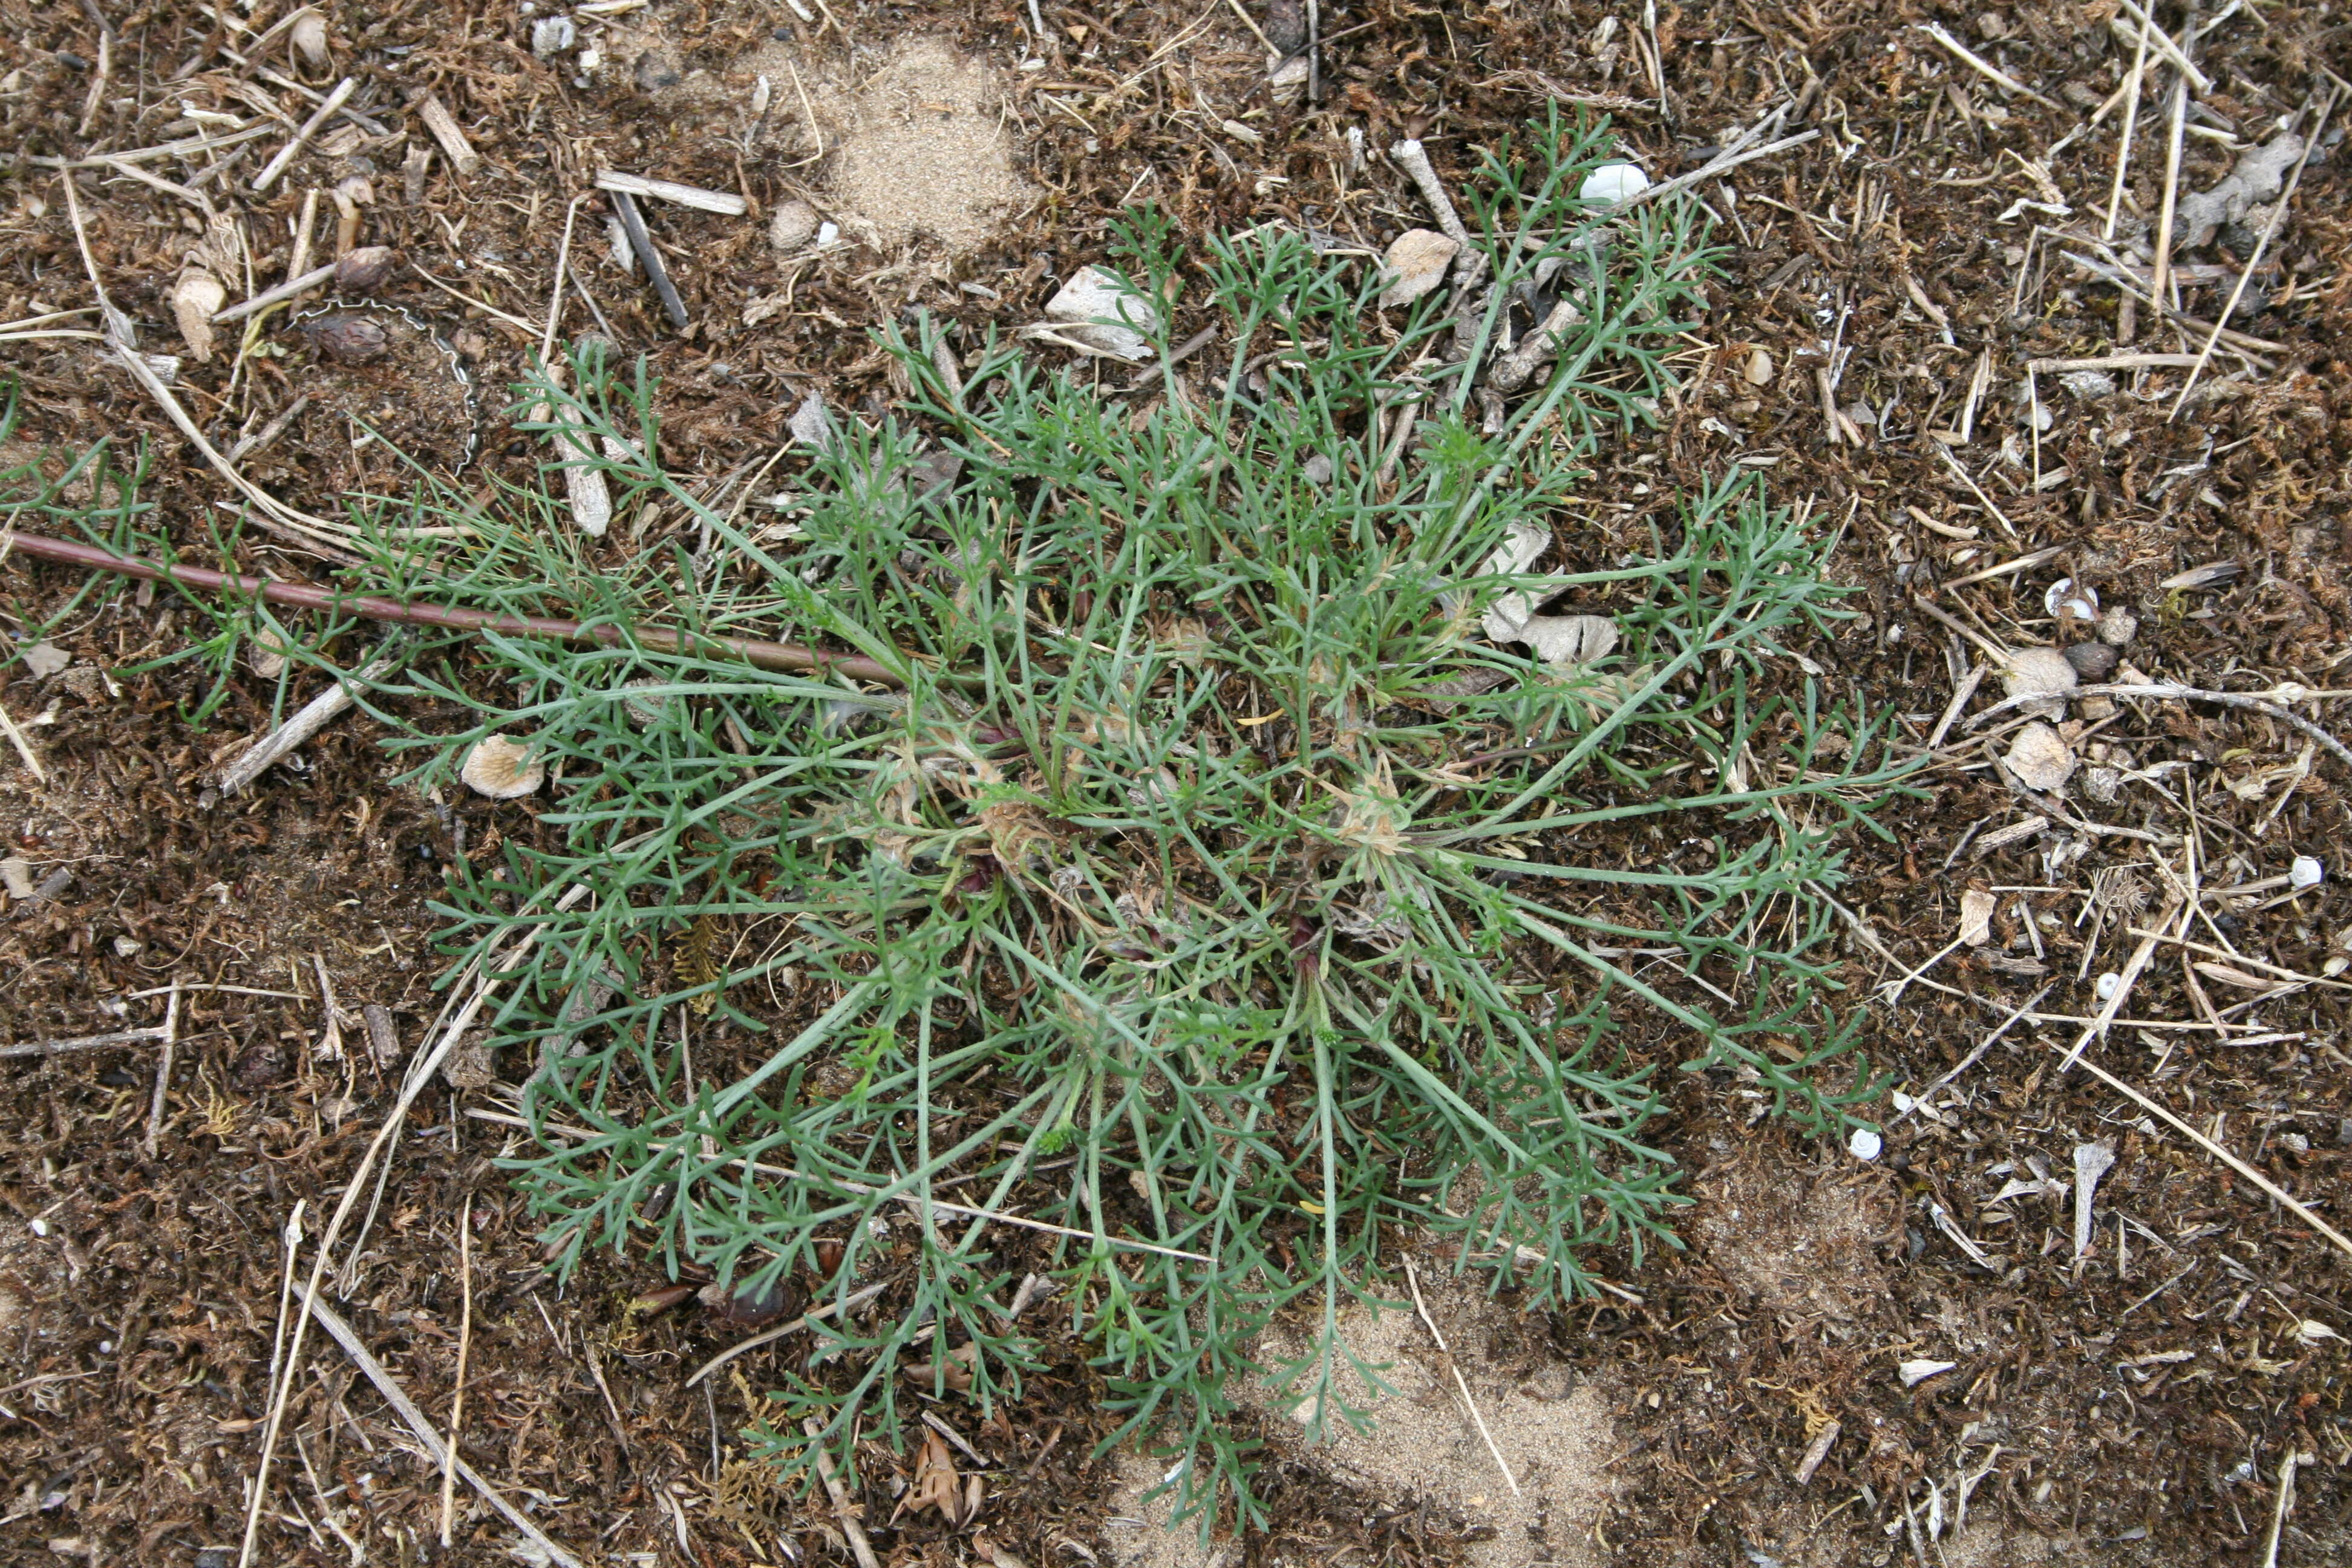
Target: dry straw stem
{"type": "Point", "coordinates": [308, 720]}
{"type": "Point", "coordinates": [420, 1073]}
{"type": "Point", "coordinates": [397, 1397]}
{"type": "Point", "coordinates": [465, 1344]}
{"type": "Point", "coordinates": [288, 153]}
{"type": "Point", "coordinates": [789, 657]}
{"type": "Point", "coordinates": [444, 127]}
{"type": "Point", "coordinates": [2270, 232]}
{"type": "Point", "coordinates": [770, 1336]}
{"type": "Point", "coordinates": [1413, 1279]}
{"type": "Point", "coordinates": [727, 204]}
{"type": "Point", "coordinates": [2269, 1188]}
{"type": "Point", "coordinates": [843, 1511]}
{"type": "Point", "coordinates": [1985, 69]}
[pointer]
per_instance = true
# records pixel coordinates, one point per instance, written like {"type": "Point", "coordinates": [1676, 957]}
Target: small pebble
{"type": "Point", "coordinates": [2093, 660]}
{"type": "Point", "coordinates": [2118, 626]}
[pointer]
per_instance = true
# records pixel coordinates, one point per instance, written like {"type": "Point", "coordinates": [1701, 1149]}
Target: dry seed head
{"type": "Point", "coordinates": [1372, 819]}
{"type": "Point", "coordinates": [309, 36]}
{"type": "Point", "coordinates": [503, 768]}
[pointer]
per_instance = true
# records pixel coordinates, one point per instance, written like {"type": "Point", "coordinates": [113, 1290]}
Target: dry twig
{"type": "Point", "coordinates": [1413, 1279]}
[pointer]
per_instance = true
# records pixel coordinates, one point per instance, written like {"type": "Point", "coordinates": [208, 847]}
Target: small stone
{"type": "Point", "coordinates": [16, 876]}
{"type": "Point", "coordinates": [2088, 385]}
{"type": "Point", "coordinates": [2040, 758]}
{"type": "Point", "coordinates": [2093, 660]}
{"type": "Point", "coordinates": [2102, 785]}
{"type": "Point", "coordinates": [792, 226]}
{"type": "Point", "coordinates": [1758, 369]}
{"type": "Point", "coordinates": [655, 71]}
{"type": "Point", "coordinates": [2118, 626]}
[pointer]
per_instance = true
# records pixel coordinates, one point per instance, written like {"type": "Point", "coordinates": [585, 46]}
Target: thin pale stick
{"type": "Point", "coordinates": [477, 304]}
{"type": "Point", "coordinates": [1413, 1279]}
{"type": "Point", "coordinates": [397, 1397]}
{"type": "Point", "coordinates": [2285, 1500]}
{"type": "Point", "coordinates": [770, 1336]}
{"type": "Point", "coordinates": [2159, 271]}
{"type": "Point", "coordinates": [453, 1021]}
{"type": "Point", "coordinates": [465, 1343]}
{"type": "Point", "coordinates": [1985, 69]}
{"type": "Point", "coordinates": [24, 747]}
{"type": "Point", "coordinates": [2270, 232]}
{"type": "Point", "coordinates": [1975, 1055]}
{"type": "Point", "coordinates": [2269, 1188]}
{"type": "Point", "coordinates": [2131, 125]}
{"type": "Point", "coordinates": [288, 153]}
{"type": "Point", "coordinates": [307, 721]}
{"type": "Point", "coordinates": [2097, 1027]}
{"type": "Point", "coordinates": [163, 1070]}
{"type": "Point", "coordinates": [846, 1515]}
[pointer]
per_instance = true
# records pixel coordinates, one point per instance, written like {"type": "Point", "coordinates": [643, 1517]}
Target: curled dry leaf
{"type": "Point", "coordinates": [2040, 673]}
{"type": "Point", "coordinates": [1570, 642]}
{"type": "Point", "coordinates": [1093, 310]}
{"type": "Point", "coordinates": [1510, 614]}
{"type": "Point", "coordinates": [2040, 758]}
{"type": "Point", "coordinates": [503, 768]}
{"type": "Point", "coordinates": [1415, 264]}
{"type": "Point", "coordinates": [936, 1482]}
{"type": "Point", "coordinates": [194, 298]}
{"type": "Point", "coordinates": [1976, 916]}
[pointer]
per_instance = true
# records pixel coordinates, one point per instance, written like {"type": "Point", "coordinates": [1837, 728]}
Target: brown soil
{"type": "Point", "coordinates": [2134, 1405]}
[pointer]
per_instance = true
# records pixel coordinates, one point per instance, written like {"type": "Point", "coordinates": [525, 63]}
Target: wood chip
{"type": "Point", "coordinates": [725, 203]}
{"type": "Point", "coordinates": [444, 127]}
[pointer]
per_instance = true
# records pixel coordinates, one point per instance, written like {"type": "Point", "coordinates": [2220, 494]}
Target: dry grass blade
{"type": "Point", "coordinates": [2285, 1199]}
{"type": "Point", "coordinates": [2261, 246]}
{"type": "Point", "coordinates": [414, 1418]}
{"type": "Point", "coordinates": [465, 1344]}
{"type": "Point", "coordinates": [1414, 1279]}
{"type": "Point", "coordinates": [1985, 69]}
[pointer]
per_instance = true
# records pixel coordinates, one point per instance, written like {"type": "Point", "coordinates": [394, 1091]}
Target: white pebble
{"type": "Point", "coordinates": [2305, 872]}
{"type": "Point", "coordinates": [826, 232]}
{"type": "Point", "coordinates": [1865, 1143]}
{"type": "Point", "coordinates": [1613, 183]}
